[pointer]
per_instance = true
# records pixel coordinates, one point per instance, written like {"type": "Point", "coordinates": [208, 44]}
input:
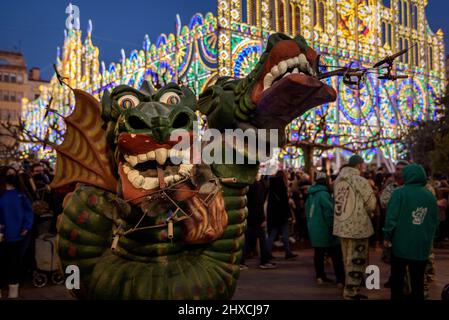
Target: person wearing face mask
{"type": "Point", "coordinates": [393, 184]}
{"type": "Point", "coordinates": [43, 197]}
{"type": "Point", "coordinates": [16, 219]}
{"type": "Point", "coordinates": [40, 179]}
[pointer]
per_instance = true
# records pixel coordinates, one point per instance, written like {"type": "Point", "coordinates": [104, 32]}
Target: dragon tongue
{"type": "Point", "coordinates": [160, 175]}
{"type": "Point", "coordinates": [289, 98]}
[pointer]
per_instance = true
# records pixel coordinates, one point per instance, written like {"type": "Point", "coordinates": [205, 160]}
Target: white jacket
{"type": "Point", "coordinates": [355, 203]}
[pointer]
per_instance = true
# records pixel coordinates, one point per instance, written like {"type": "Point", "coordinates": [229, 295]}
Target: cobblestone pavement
{"type": "Point", "coordinates": [291, 280]}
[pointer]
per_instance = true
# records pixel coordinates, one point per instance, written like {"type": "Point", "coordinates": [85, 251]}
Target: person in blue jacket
{"type": "Point", "coordinates": [410, 228]}
{"type": "Point", "coordinates": [320, 221]}
{"type": "Point", "coordinates": [16, 220]}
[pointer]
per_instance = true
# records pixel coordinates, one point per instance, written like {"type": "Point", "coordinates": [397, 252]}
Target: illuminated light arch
{"type": "Point", "coordinates": [207, 47]}
{"type": "Point", "coordinates": [387, 97]}
{"type": "Point", "coordinates": [245, 57]}
{"type": "Point", "coordinates": [412, 102]}
{"type": "Point", "coordinates": [184, 58]}
{"type": "Point", "coordinates": [211, 46]}
{"type": "Point", "coordinates": [197, 19]}
{"type": "Point", "coordinates": [432, 97]}
{"type": "Point", "coordinates": [161, 40]}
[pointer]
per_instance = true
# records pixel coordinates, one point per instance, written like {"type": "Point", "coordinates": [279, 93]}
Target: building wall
{"type": "Point", "coordinates": [35, 84]}
{"type": "Point", "coordinates": [13, 84]}
{"type": "Point", "coordinates": [15, 88]}
{"type": "Point", "coordinates": [16, 85]}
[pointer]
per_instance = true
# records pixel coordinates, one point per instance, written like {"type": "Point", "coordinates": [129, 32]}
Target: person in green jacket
{"type": "Point", "coordinates": [410, 227]}
{"type": "Point", "coordinates": [320, 220]}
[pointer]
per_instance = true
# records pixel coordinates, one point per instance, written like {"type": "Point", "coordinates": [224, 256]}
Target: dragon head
{"type": "Point", "coordinates": [282, 86]}
{"type": "Point", "coordinates": [140, 127]}
{"type": "Point", "coordinates": [140, 124]}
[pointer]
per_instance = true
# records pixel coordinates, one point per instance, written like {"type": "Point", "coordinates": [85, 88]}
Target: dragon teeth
{"type": "Point", "coordinates": [142, 157]}
{"type": "Point", "coordinates": [185, 169]}
{"type": "Point", "coordinates": [132, 174]}
{"type": "Point", "coordinates": [291, 62]}
{"type": "Point", "coordinates": [268, 80]}
{"type": "Point", "coordinates": [173, 179]}
{"type": "Point", "coordinates": [151, 155]}
{"type": "Point", "coordinates": [303, 63]}
{"type": "Point", "coordinates": [126, 169]}
{"type": "Point", "coordinates": [283, 66]}
{"type": "Point", "coordinates": [299, 63]}
{"type": "Point", "coordinates": [150, 183]}
{"type": "Point", "coordinates": [132, 160]}
{"type": "Point", "coordinates": [138, 181]}
{"type": "Point", "coordinates": [275, 71]}
{"type": "Point", "coordinates": [161, 155]}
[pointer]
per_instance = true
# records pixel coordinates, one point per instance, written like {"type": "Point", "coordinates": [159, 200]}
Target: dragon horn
{"type": "Point", "coordinates": [147, 88]}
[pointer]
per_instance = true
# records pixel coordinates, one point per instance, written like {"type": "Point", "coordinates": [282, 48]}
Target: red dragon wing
{"type": "Point", "coordinates": [83, 156]}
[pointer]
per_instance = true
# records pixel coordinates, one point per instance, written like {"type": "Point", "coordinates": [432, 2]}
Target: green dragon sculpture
{"type": "Point", "coordinates": [140, 227]}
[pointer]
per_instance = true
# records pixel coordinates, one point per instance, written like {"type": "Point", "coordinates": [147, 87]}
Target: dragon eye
{"type": "Point", "coordinates": [128, 101]}
{"type": "Point", "coordinates": [170, 98]}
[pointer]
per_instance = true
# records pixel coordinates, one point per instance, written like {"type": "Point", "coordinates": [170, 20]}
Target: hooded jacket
{"type": "Point", "coordinates": [412, 216]}
{"type": "Point", "coordinates": [355, 203]}
{"type": "Point", "coordinates": [320, 217]}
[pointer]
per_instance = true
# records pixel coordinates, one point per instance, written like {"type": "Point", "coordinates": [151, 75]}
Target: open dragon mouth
{"type": "Point", "coordinates": [285, 68]}
{"type": "Point", "coordinates": [146, 165]}
{"type": "Point", "coordinates": [289, 85]}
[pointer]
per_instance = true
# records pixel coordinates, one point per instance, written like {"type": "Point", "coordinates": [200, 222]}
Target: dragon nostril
{"type": "Point", "coordinates": [136, 123]}
{"type": "Point", "coordinates": [181, 120]}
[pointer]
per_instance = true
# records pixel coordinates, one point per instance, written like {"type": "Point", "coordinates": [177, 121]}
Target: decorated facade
{"type": "Point", "coordinates": [230, 43]}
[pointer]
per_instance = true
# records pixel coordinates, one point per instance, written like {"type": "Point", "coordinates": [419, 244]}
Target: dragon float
{"type": "Point", "coordinates": [140, 227]}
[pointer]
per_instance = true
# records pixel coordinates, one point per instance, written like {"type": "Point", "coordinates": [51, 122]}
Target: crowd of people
{"type": "Point", "coordinates": [25, 200]}
{"type": "Point", "coordinates": [342, 215]}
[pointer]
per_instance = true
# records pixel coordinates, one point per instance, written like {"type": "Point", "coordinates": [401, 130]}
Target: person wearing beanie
{"type": "Point", "coordinates": [410, 228]}
{"type": "Point", "coordinates": [320, 216]}
{"type": "Point", "coordinates": [355, 203]}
